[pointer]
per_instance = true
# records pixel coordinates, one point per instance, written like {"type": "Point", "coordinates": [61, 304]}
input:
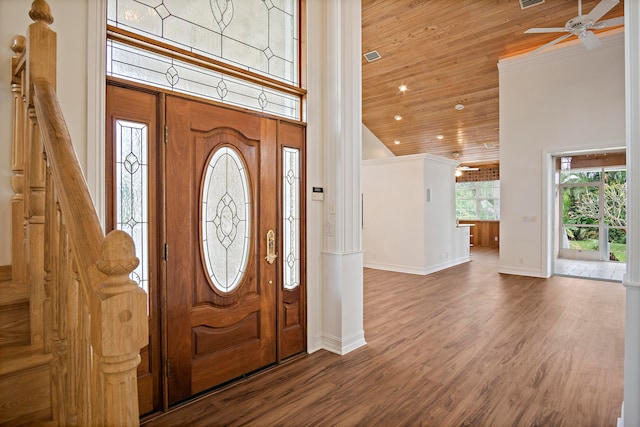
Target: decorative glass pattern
{"type": "Point", "coordinates": [260, 36]}
{"type": "Point", "coordinates": [132, 202]}
{"type": "Point", "coordinates": [174, 75]}
{"type": "Point", "coordinates": [226, 208]}
{"type": "Point", "coordinates": [291, 217]}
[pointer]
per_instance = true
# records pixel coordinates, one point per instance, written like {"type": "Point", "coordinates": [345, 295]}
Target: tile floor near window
{"type": "Point", "coordinates": [601, 270]}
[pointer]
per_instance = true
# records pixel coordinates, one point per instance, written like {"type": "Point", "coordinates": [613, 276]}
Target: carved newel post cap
{"type": "Point", "coordinates": [40, 11]}
{"type": "Point", "coordinates": [117, 255]}
{"type": "Point", "coordinates": [18, 44]}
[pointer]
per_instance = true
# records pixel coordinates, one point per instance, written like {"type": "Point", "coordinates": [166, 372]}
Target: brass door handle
{"type": "Point", "coordinates": [271, 247]}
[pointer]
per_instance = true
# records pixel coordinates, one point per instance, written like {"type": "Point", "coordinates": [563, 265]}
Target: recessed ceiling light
{"type": "Point", "coordinates": [397, 117]}
{"type": "Point", "coordinates": [403, 88]}
{"type": "Point", "coordinates": [396, 142]}
{"type": "Point", "coordinates": [459, 107]}
{"type": "Point", "coordinates": [440, 136]}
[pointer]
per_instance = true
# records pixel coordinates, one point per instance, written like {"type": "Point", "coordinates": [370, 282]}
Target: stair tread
{"type": "Point", "coordinates": [13, 293]}
{"type": "Point", "coordinates": [17, 358]}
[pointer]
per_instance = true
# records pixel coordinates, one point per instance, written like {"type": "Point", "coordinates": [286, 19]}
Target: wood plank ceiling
{"type": "Point", "coordinates": [446, 53]}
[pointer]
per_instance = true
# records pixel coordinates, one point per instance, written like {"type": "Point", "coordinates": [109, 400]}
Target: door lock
{"type": "Point", "coordinates": [271, 247]}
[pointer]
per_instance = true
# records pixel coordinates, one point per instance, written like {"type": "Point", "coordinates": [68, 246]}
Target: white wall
{"type": "Point", "coordinates": [393, 232]}
{"type": "Point", "coordinates": [440, 213]}
{"type": "Point", "coordinates": [404, 229]}
{"type": "Point", "coordinates": [372, 147]}
{"type": "Point", "coordinates": [72, 88]}
{"type": "Point", "coordinates": [566, 100]}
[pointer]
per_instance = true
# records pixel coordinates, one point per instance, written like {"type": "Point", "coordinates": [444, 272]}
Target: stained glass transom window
{"type": "Point", "coordinates": [132, 202]}
{"type": "Point", "coordinates": [291, 217]}
{"type": "Point", "coordinates": [143, 66]}
{"type": "Point", "coordinates": [260, 36]}
{"type": "Point", "coordinates": [226, 208]}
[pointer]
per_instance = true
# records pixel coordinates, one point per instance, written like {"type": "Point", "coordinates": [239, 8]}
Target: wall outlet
{"type": "Point", "coordinates": [328, 229]}
{"type": "Point", "coordinates": [521, 260]}
{"type": "Point", "coordinates": [332, 208]}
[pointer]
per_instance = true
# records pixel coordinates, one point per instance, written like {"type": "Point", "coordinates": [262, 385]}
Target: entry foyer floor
{"type": "Point", "coordinates": [462, 346]}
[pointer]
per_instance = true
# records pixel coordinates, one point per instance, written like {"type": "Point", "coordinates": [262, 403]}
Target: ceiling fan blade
{"type": "Point", "coordinates": [545, 30]}
{"type": "Point", "coordinates": [613, 22]}
{"type": "Point", "coordinates": [551, 43]}
{"type": "Point", "coordinates": [601, 9]}
{"type": "Point", "coordinates": [590, 40]}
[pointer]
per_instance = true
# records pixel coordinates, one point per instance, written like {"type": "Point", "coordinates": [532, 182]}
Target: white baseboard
{"type": "Point", "coordinates": [522, 272]}
{"type": "Point", "coordinates": [621, 419]}
{"type": "Point", "coordinates": [315, 344]}
{"type": "Point", "coordinates": [417, 270]}
{"type": "Point", "coordinates": [393, 267]}
{"type": "Point", "coordinates": [342, 347]}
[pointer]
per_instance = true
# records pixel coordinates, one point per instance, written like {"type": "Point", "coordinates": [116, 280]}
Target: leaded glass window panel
{"type": "Point", "coordinates": [171, 74]}
{"type": "Point", "coordinates": [225, 214]}
{"type": "Point", "coordinates": [260, 36]}
{"type": "Point", "coordinates": [132, 198]}
{"type": "Point", "coordinates": [291, 217]}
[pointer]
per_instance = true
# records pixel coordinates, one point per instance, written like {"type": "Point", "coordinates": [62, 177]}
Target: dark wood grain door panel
{"type": "Point", "coordinates": [215, 334]}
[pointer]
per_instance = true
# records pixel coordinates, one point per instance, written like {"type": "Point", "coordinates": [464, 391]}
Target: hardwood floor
{"type": "Point", "coordinates": [465, 346]}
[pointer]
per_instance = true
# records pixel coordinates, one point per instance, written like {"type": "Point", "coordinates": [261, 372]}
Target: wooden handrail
{"type": "Point", "coordinates": [74, 197]}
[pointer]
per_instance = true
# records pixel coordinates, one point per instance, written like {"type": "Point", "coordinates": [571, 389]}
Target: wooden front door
{"type": "Point", "coordinates": [221, 206]}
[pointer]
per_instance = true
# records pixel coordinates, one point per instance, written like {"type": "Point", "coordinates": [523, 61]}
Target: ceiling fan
{"type": "Point", "coordinates": [582, 25]}
{"type": "Point", "coordinates": [461, 169]}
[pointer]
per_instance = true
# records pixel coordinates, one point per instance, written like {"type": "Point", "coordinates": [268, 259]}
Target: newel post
{"type": "Point", "coordinates": [119, 329]}
{"type": "Point", "coordinates": [41, 42]}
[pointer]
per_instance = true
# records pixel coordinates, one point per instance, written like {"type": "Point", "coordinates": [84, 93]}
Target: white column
{"type": "Point", "coordinates": [335, 133]}
{"type": "Point", "coordinates": [631, 410]}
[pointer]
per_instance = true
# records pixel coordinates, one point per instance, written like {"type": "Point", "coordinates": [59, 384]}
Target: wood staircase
{"type": "Point", "coordinates": [71, 321]}
{"type": "Point", "coordinates": [24, 369]}
{"type": "Point", "coordinates": [14, 312]}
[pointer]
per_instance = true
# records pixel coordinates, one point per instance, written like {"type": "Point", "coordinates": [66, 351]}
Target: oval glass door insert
{"type": "Point", "coordinates": [225, 214]}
